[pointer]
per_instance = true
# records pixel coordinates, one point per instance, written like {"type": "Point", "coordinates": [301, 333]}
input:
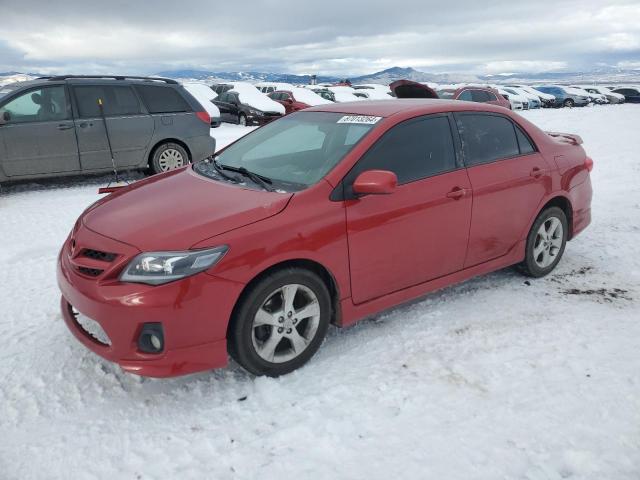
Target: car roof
{"type": "Point", "coordinates": [417, 106]}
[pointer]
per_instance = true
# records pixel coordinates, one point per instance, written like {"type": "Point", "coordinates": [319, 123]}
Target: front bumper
{"type": "Point", "coordinates": [194, 312]}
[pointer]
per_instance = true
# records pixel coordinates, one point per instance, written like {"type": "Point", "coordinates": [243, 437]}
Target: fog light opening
{"type": "Point", "coordinates": [151, 339]}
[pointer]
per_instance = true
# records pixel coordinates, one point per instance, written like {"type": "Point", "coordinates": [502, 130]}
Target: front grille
{"type": "Point", "coordinates": [98, 255]}
{"type": "Point", "coordinates": [90, 272]}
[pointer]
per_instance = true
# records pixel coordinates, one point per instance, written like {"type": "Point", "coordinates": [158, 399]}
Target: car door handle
{"type": "Point", "coordinates": [536, 172]}
{"type": "Point", "coordinates": [457, 193]}
{"type": "Point", "coordinates": [85, 125]}
{"type": "Point", "coordinates": [65, 126]}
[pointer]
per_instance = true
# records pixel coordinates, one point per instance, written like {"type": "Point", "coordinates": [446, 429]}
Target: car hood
{"type": "Point", "coordinates": [411, 89]}
{"type": "Point", "coordinates": [176, 210]}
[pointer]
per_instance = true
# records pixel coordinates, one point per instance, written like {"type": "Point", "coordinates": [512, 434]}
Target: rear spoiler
{"type": "Point", "coordinates": [566, 137]}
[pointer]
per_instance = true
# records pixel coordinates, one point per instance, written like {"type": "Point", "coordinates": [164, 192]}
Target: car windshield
{"type": "Point", "coordinates": [295, 151]}
{"type": "Point", "coordinates": [445, 93]}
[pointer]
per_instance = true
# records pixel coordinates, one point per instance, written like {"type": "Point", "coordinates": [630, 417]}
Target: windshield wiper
{"type": "Point", "coordinates": [264, 182]}
{"type": "Point", "coordinates": [220, 169]}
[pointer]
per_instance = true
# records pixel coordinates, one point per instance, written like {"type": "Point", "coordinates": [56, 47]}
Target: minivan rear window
{"type": "Point", "coordinates": [161, 99]}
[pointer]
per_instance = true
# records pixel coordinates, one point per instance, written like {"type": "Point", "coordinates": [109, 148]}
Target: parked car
{"type": "Point", "coordinates": [564, 96]}
{"type": "Point", "coordinates": [374, 91]}
{"type": "Point", "coordinates": [631, 94]}
{"type": "Point", "coordinates": [322, 91]}
{"type": "Point", "coordinates": [205, 95]}
{"type": "Point", "coordinates": [297, 98]}
{"type": "Point", "coordinates": [343, 93]}
{"type": "Point", "coordinates": [475, 94]}
{"type": "Point", "coordinates": [532, 101]}
{"type": "Point", "coordinates": [220, 88]}
{"type": "Point", "coordinates": [316, 218]}
{"type": "Point", "coordinates": [595, 98]}
{"type": "Point", "coordinates": [245, 105]}
{"type": "Point", "coordinates": [516, 102]}
{"type": "Point", "coordinates": [52, 126]}
{"type": "Point", "coordinates": [547, 99]}
{"type": "Point", "coordinates": [611, 97]}
{"type": "Point", "coordinates": [268, 87]}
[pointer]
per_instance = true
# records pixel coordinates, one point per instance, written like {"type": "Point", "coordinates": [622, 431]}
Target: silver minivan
{"type": "Point", "coordinates": [54, 126]}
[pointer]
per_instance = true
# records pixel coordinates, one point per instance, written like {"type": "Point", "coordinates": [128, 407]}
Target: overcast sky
{"type": "Point", "coordinates": [325, 37]}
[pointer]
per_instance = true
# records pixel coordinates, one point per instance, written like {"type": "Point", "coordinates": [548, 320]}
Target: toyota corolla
{"type": "Point", "coordinates": [325, 216]}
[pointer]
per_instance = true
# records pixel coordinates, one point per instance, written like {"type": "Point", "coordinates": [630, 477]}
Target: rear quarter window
{"type": "Point", "coordinates": [162, 99]}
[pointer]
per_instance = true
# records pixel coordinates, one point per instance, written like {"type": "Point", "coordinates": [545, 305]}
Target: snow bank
{"type": "Point", "coordinates": [501, 377]}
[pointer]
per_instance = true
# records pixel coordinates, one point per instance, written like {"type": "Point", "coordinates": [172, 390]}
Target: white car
{"type": "Point", "coordinates": [532, 100]}
{"type": "Point", "coordinates": [204, 95]}
{"type": "Point", "coordinates": [547, 99]}
{"type": "Point", "coordinates": [610, 95]}
{"type": "Point", "coordinates": [596, 98]}
{"type": "Point", "coordinates": [518, 102]}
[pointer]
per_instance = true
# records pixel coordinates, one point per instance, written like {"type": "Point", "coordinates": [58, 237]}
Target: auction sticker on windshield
{"type": "Point", "coordinates": [362, 119]}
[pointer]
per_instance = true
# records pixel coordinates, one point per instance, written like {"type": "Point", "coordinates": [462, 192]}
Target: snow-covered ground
{"type": "Point", "coordinates": [497, 378]}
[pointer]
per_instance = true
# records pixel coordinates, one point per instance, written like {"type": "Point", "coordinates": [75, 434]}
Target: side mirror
{"type": "Point", "coordinates": [289, 101]}
{"type": "Point", "coordinates": [5, 118]}
{"type": "Point", "coordinates": [375, 182]}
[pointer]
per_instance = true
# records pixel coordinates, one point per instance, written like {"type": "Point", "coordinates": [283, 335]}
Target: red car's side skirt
{"type": "Point", "coordinates": [351, 313]}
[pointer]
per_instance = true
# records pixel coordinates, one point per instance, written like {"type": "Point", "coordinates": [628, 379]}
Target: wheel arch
{"type": "Point", "coordinates": [323, 272]}
{"type": "Point", "coordinates": [565, 205]}
{"type": "Point", "coordinates": [168, 140]}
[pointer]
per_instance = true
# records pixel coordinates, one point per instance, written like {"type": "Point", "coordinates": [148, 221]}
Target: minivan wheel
{"type": "Point", "coordinates": [168, 156]}
{"type": "Point", "coordinates": [569, 103]}
{"type": "Point", "coordinates": [242, 120]}
{"type": "Point", "coordinates": [545, 243]}
{"type": "Point", "coordinates": [280, 323]}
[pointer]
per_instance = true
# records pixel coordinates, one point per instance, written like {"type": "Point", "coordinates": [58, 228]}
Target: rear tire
{"type": "Point", "coordinates": [545, 243]}
{"type": "Point", "coordinates": [168, 156]}
{"type": "Point", "coordinates": [280, 323]}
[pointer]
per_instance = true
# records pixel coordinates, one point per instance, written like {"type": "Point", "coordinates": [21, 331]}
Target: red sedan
{"type": "Point", "coordinates": [324, 216]}
{"type": "Point", "coordinates": [411, 89]}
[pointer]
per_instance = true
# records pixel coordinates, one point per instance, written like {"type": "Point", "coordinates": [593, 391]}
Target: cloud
{"type": "Point", "coordinates": [334, 37]}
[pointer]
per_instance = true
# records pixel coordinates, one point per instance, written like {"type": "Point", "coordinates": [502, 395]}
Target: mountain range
{"type": "Point", "coordinates": [596, 75]}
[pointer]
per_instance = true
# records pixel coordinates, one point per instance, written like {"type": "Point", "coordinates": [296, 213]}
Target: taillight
{"type": "Point", "coordinates": [204, 116]}
{"type": "Point", "coordinates": [588, 162]}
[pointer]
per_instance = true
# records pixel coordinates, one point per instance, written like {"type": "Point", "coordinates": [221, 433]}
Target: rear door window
{"type": "Point", "coordinates": [413, 150]}
{"type": "Point", "coordinates": [116, 100]}
{"type": "Point", "coordinates": [486, 138]}
{"type": "Point", "coordinates": [162, 99]}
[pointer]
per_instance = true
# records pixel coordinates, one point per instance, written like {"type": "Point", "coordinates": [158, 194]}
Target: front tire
{"type": "Point", "coordinates": [280, 322]}
{"type": "Point", "coordinates": [168, 156]}
{"type": "Point", "coordinates": [545, 243]}
{"type": "Point", "coordinates": [569, 103]}
{"type": "Point", "coordinates": [242, 120]}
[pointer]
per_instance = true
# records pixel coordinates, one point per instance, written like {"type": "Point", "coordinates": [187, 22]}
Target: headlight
{"type": "Point", "coordinates": [255, 112]}
{"type": "Point", "coordinates": [156, 268]}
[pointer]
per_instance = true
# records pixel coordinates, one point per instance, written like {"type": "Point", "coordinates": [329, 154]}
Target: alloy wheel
{"type": "Point", "coordinates": [548, 242]}
{"type": "Point", "coordinates": [286, 323]}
